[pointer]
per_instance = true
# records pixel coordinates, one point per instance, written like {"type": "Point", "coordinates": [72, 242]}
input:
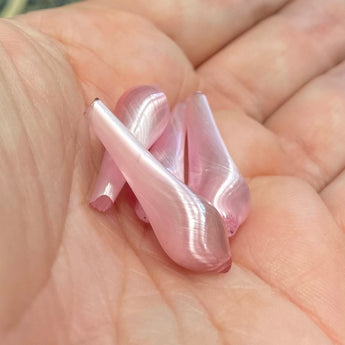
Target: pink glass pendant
{"type": "Point", "coordinates": [145, 111]}
{"type": "Point", "coordinates": [189, 228]}
{"type": "Point", "coordinates": [169, 149]}
{"type": "Point", "coordinates": [211, 171]}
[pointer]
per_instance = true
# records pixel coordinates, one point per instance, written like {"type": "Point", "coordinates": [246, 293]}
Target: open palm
{"type": "Point", "coordinates": [273, 71]}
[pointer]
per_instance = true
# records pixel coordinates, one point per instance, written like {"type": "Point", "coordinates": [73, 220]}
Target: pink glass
{"type": "Point", "coordinates": [145, 111]}
{"type": "Point", "coordinates": [211, 171]}
{"type": "Point", "coordinates": [169, 149]}
{"type": "Point", "coordinates": [189, 228]}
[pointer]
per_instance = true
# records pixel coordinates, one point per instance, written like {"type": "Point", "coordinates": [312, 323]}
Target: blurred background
{"type": "Point", "coordinates": [10, 8]}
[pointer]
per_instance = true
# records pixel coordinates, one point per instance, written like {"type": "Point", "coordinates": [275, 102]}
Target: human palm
{"type": "Point", "coordinates": [274, 75]}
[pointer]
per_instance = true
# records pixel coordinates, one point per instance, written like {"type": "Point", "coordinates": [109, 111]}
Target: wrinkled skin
{"type": "Point", "coordinates": [274, 73]}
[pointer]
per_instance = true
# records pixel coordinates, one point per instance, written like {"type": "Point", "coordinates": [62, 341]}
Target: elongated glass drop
{"type": "Point", "coordinates": [211, 171]}
{"type": "Point", "coordinates": [145, 111]}
{"type": "Point", "coordinates": [189, 228]}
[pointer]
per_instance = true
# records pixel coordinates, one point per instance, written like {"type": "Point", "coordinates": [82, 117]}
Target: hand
{"type": "Point", "coordinates": [274, 73]}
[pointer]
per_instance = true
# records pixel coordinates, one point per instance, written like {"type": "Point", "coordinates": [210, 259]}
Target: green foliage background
{"type": "Point", "coordinates": [38, 4]}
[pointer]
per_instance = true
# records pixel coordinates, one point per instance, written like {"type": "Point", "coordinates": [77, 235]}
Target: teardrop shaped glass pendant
{"type": "Point", "coordinates": [145, 111]}
{"type": "Point", "coordinates": [189, 228]}
{"type": "Point", "coordinates": [211, 171]}
{"type": "Point", "coordinates": [169, 149]}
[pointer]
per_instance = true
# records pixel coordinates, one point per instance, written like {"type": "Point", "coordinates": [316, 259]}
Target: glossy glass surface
{"type": "Point", "coordinates": [211, 171]}
{"type": "Point", "coordinates": [189, 228]}
{"type": "Point", "coordinates": [169, 149]}
{"type": "Point", "coordinates": [145, 111]}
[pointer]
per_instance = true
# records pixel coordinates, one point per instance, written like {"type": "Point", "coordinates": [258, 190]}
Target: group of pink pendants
{"type": "Point", "coordinates": [193, 203]}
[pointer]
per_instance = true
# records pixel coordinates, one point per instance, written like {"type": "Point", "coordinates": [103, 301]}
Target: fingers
{"type": "Point", "coordinates": [112, 51]}
{"type": "Point", "coordinates": [265, 66]}
{"type": "Point", "coordinates": [199, 27]}
{"type": "Point", "coordinates": [311, 128]}
{"type": "Point", "coordinates": [291, 241]}
{"type": "Point", "coordinates": [334, 197]}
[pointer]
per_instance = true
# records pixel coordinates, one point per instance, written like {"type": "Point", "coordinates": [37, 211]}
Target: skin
{"type": "Point", "coordinates": [274, 72]}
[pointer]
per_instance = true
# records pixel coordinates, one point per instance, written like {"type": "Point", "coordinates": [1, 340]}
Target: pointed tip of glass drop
{"type": "Point", "coordinates": [225, 268]}
{"type": "Point", "coordinates": [141, 213]}
{"type": "Point", "coordinates": [87, 111]}
{"type": "Point", "coordinates": [102, 203]}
